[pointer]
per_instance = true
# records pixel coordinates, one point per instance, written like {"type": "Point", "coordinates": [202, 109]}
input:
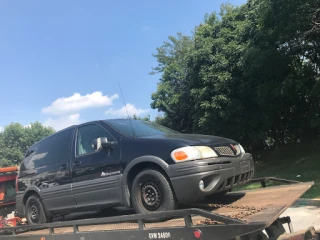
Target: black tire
{"type": "Point", "coordinates": [35, 213]}
{"type": "Point", "coordinates": [151, 192]}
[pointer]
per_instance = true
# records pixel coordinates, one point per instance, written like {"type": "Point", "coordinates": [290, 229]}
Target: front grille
{"type": "Point", "coordinates": [236, 180]}
{"type": "Point", "coordinates": [224, 151]}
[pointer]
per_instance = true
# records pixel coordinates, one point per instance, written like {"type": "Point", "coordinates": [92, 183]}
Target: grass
{"type": "Point", "coordinates": [300, 162]}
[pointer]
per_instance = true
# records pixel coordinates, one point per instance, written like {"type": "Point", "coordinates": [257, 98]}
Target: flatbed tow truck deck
{"type": "Point", "coordinates": [242, 215]}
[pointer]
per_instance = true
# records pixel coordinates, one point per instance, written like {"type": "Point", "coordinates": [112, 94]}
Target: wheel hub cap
{"type": "Point", "coordinates": [34, 213]}
{"type": "Point", "coordinates": [151, 196]}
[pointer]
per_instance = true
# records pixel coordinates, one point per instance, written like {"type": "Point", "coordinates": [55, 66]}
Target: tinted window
{"type": "Point", "coordinates": [86, 134]}
{"type": "Point", "coordinates": [7, 191]}
{"type": "Point", "coordinates": [139, 128]}
{"type": "Point", "coordinates": [53, 149]}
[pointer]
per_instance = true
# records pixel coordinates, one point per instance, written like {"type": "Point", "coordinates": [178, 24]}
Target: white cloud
{"type": "Point", "coordinates": [1, 129]}
{"type": "Point", "coordinates": [122, 112]}
{"type": "Point", "coordinates": [63, 122]}
{"type": "Point", "coordinates": [77, 102]}
{"type": "Point", "coordinates": [27, 126]}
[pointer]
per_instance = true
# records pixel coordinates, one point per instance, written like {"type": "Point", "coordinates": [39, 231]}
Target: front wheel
{"type": "Point", "coordinates": [35, 213]}
{"type": "Point", "coordinates": [151, 192]}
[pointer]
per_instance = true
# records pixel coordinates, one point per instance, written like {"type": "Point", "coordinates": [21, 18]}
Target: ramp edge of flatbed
{"type": "Point", "coordinates": [33, 230]}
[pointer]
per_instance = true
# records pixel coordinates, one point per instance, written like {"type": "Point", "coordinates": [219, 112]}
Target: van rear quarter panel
{"type": "Point", "coordinates": [46, 170]}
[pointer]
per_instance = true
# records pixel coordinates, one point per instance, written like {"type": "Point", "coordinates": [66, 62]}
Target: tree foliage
{"type": "Point", "coordinates": [172, 96]}
{"type": "Point", "coordinates": [250, 72]}
{"type": "Point", "coordinates": [16, 139]}
{"type": "Point", "coordinates": [146, 118]}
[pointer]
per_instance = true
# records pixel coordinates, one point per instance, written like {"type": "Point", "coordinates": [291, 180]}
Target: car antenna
{"type": "Point", "coordinates": [125, 105]}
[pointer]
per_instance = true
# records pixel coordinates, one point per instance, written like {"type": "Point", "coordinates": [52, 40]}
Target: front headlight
{"type": "Point", "coordinates": [192, 153]}
{"type": "Point", "coordinates": [242, 149]}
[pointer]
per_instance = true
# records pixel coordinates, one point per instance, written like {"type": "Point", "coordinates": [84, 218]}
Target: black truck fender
{"type": "Point", "coordinates": [28, 192]}
{"type": "Point", "coordinates": [149, 159]}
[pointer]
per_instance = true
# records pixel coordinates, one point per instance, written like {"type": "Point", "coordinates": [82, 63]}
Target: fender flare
{"type": "Point", "coordinates": [32, 188]}
{"type": "Point", "coordinates": [143, 159]}
{"type": "Point", "coordinates": [37, 190]}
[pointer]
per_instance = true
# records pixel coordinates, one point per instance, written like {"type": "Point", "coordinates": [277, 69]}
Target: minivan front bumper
{"type": "Point", "coordinates": [218, 175]}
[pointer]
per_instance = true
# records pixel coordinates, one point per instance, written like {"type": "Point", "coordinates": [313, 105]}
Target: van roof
{"type": "Point", "coordinates": [65, 129]}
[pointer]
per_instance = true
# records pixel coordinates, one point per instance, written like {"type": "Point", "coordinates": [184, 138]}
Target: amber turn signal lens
{"type": "Point", "coordinates": [180, 155]}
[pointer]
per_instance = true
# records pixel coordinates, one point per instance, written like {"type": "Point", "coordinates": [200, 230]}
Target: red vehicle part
{"type": "Point", "coordinates": [8, 176]}
{"type": "Point", "coordinates": [12, 222]}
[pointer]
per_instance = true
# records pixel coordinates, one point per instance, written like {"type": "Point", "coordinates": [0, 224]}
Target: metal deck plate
{"type": "Point", "coordinates": [274, 201]}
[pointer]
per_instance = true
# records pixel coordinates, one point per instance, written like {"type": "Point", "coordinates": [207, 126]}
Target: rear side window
{"type": "Point", "coordinates": [53, 149]}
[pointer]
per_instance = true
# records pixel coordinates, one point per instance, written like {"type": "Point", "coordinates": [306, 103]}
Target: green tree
{"type": "Point", "coordinates": [250, 73]}
{"type": "Point", "coordinates": [281, 65]}
{"type": "Point", "coordinates": [217, 72]}
{"type": "Point", "coordinates": [36, 131]}
{"type": "Point", "coordinates": [146, 118]}
{"type": "Point", "coordinates": [16, 139]}
{"type": "Point", "coordinates": [173, 93]}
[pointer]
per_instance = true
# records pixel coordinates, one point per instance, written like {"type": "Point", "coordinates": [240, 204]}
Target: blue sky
{"type": "Point", "coordinates": [60, 61]}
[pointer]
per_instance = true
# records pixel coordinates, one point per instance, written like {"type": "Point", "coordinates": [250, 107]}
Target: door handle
{"type": "Point", "coordinates": [63, 167]}
{"type": "Point", "coordinates": [76, 163]}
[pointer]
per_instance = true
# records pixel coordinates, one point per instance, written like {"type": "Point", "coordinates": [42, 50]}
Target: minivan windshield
{"type": "Point", "coordinates": [139, 128]}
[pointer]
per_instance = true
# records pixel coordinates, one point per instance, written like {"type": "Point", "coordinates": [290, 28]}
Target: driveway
{"type": "Point", "coordinates": [303, 217]}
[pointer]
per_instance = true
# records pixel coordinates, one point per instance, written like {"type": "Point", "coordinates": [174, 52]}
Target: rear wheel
{"type": "Point", "coordinates": [151, 192]}
{"type": "Point", "coordinates": [35, 212]}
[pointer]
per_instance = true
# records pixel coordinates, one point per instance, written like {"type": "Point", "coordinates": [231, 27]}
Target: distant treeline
{"type": "Point", "coordinates": [16, 139]}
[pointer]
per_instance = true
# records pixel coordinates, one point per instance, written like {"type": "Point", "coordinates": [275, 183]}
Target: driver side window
{"type": "Point", "coordinates": [86, 134]}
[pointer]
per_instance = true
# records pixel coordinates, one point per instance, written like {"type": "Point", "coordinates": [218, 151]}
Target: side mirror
{"type": "Point", "coordinates": [101, 143]}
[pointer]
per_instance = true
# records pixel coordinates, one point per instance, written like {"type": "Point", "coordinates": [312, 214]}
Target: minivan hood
{"type": "Point", "coordinates": [196, 139]}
